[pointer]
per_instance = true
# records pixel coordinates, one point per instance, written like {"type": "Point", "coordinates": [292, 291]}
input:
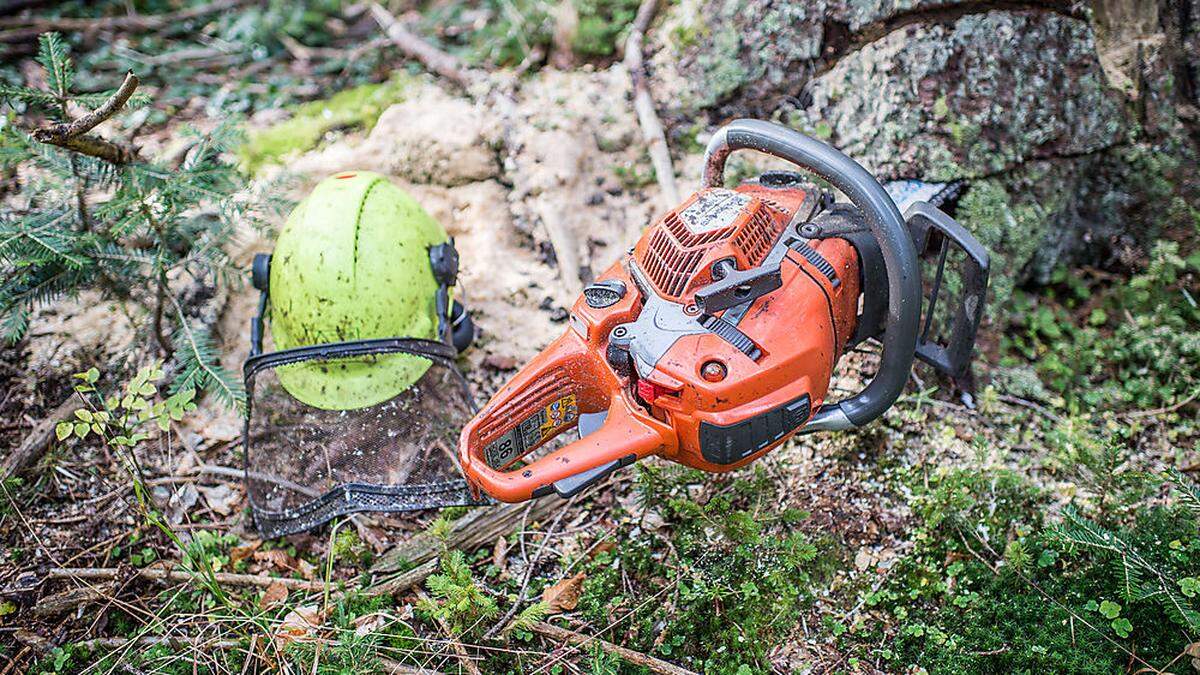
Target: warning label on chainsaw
{"type": "Point", "coordinates": [713, 210]}
{"type": "Point", "coordinates": [531, 432]}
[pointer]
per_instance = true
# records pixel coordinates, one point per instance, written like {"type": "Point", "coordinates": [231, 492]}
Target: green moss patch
{"type": "Point", "coordinates": [356, 108]}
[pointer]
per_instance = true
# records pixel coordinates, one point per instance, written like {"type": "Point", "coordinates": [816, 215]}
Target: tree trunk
{"type": "Point", "coordinates": [1071, 124]}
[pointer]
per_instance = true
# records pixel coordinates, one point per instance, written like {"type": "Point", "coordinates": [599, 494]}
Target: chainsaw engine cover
{"type": "Point", "coordinates": [713, 389]}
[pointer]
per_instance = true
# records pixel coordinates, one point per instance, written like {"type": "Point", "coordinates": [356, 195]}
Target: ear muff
{"type": "Point", "coordinates": [462, 328]}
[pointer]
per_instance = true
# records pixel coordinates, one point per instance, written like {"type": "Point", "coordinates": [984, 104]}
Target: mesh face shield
{"type": "Point", "coordinates": [307, 464]}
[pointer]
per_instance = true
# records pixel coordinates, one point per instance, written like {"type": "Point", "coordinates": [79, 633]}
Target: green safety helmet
{"type": "Point", "coordinates": [353, 262]}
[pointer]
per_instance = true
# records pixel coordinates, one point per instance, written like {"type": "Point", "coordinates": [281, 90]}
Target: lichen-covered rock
{"type": "Point", "coordinates": [762, 53]}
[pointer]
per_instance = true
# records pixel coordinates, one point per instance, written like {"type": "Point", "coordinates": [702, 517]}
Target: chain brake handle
{"type": "Point", "coordinates": [522, 418]}
{"type": "Point", "coordinates": [923, 220]}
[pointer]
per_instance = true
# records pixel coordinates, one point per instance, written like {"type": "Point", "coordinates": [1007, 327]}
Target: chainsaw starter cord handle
{"type": "Point", "coordinates": [887, 225]}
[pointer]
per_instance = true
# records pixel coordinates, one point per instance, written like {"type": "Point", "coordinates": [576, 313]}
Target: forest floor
{"type": "Point", "coordinates": [925, 540]}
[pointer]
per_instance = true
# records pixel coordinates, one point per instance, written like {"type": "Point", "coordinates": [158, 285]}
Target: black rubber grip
{"type": "Point", "coordinates": [731, 334]}
{"type": "Point", "coordinates": [817, 260]}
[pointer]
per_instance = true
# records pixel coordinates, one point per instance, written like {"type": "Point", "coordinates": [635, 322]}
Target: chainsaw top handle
{"type": "Point", "coordinates": [888, 227]}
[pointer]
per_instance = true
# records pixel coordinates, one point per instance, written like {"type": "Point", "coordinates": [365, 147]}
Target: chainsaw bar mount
{"type": "Point", "coordinates": [714, 339]}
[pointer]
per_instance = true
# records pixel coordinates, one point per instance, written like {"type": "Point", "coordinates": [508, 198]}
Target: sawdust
{"type": "Point", "coordinates": [74, 333]}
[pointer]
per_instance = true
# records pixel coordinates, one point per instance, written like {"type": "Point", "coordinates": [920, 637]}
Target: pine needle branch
{"type": "Point", "coordinates": [200, 365]}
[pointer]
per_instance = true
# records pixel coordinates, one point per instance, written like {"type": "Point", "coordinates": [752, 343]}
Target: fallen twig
{"type": "Point", "coordinates": [30, 26]}
{"type": "Point", "coordinates": [31, 449]}
{"type": "Point", "coordinates": [529, 567]}
{"type": "Point", "coordinates": [229, 578]}
{"type": "Point", "coordinates": [416, 47]}
{"type": "Point", "coordinates": [1036, 407]}
{"type": "Point", "coordinates": [73, 135]}
{"type": "Point", "coordinates": [65, 601]}
{"type": "Point", "coordinates": [655, 665]}
{"type": "Point", "coordinates": [1155, 412]}
{"type": "Point", "coordinates": [643, 104]}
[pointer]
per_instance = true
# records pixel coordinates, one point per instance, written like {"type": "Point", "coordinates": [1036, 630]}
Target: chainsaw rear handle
{"type": "Point", "coordinates": [540, 403]}
{"type": "Point", "coordinates": [886, 225]}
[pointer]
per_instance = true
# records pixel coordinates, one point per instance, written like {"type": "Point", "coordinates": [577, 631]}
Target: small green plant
{"type": "Point", "coordinates": [93, 214]}
{"type": "Point", "coordinates": [741, 575]}
{"type": "Point", "coordinates": [128, 418]}
{"type": "Point", "coordinates": [125, 420]}
{"type": "Point", "coordinates": [1142, 576]}
{"type": "Point", "coordinates": [455, 598]}
{"type": "Point", "coordinates": [602, 25]}
{"type": "Point", "coordinates": [1116, 345]}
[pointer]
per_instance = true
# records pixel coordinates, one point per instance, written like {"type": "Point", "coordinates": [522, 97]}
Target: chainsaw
{"type": "Point", "coordinates": [714, 339]}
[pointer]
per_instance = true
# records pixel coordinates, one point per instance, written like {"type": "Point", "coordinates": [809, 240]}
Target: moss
{"type": "Point", "coordinates": [359, 107]}
{"type": "Point", "coordinates": [1011, 232]}
{"type": "Point", "coordinates": [602, 24]}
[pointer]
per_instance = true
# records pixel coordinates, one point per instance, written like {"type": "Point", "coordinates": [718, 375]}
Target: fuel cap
{"type": "Point", "coordinates": [604, 293]}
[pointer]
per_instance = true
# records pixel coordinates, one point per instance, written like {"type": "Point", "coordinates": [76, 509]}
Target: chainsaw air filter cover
{"type": "Point", "coordinates": [307, 464]}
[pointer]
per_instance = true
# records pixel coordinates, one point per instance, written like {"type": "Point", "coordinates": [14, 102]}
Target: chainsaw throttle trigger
{"type": "Point", "coordinates": [886, 225]}
{"type": "Point", "coordinates": [968, 281]}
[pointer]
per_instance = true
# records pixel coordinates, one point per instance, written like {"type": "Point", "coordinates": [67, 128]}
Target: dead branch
{"type": "Point", "coordinates": [66, 601]}
{"type": "Point", "coordinates": [35, 444]}
{"type": "Point", "coordinates": [416, 47]}
{"type": "Point", "coordinates": [635, 658]}
{"type": "Point", "coordinates": [73, 135]}
{"type": "Point", "coordinates": [473, 530]}
{"type": "Point", "coordinates": [227, 578]}
{"type": "Point", "coordinates": [30, 26]}
{"type": "Point", "coordinates": [643, 104]}
{"type": "Point", "coordinates": [404, 581]}
{"type": "Point", "coordinates": [151, 641]}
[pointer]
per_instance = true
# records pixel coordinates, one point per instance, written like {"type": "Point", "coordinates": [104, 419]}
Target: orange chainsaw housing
{"type": "Point", "coordinates": [689, 393]}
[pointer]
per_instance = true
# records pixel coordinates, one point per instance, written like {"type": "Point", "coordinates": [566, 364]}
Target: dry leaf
{"type": "Point", "coordinates": [276, 559]}
{"type": "Point", "coordinates": [181, 502]}
{"type": "Point", "coordinates": [300, 625]}
{"type": "Point", "coordinates": [374, 537]}
{"type": "Point", "coordinates": [370, 623]}
{"type": "Point", "coordinates": [244, 551]}
{"type": "Point", "coordinates": [275, 594]}
{"type": "Point", "coordinates": [564, 595]}
{"type": "Point", "coordinates": [498, 362]}
{"type": "Point", "coordinates": [222, 499]}
{"type": "Point", "coordinates": [500, 553]}
{"type": "Point", "coordinates": [603, 547]}
{"type": "Point", "coordinates": [306, 569]}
